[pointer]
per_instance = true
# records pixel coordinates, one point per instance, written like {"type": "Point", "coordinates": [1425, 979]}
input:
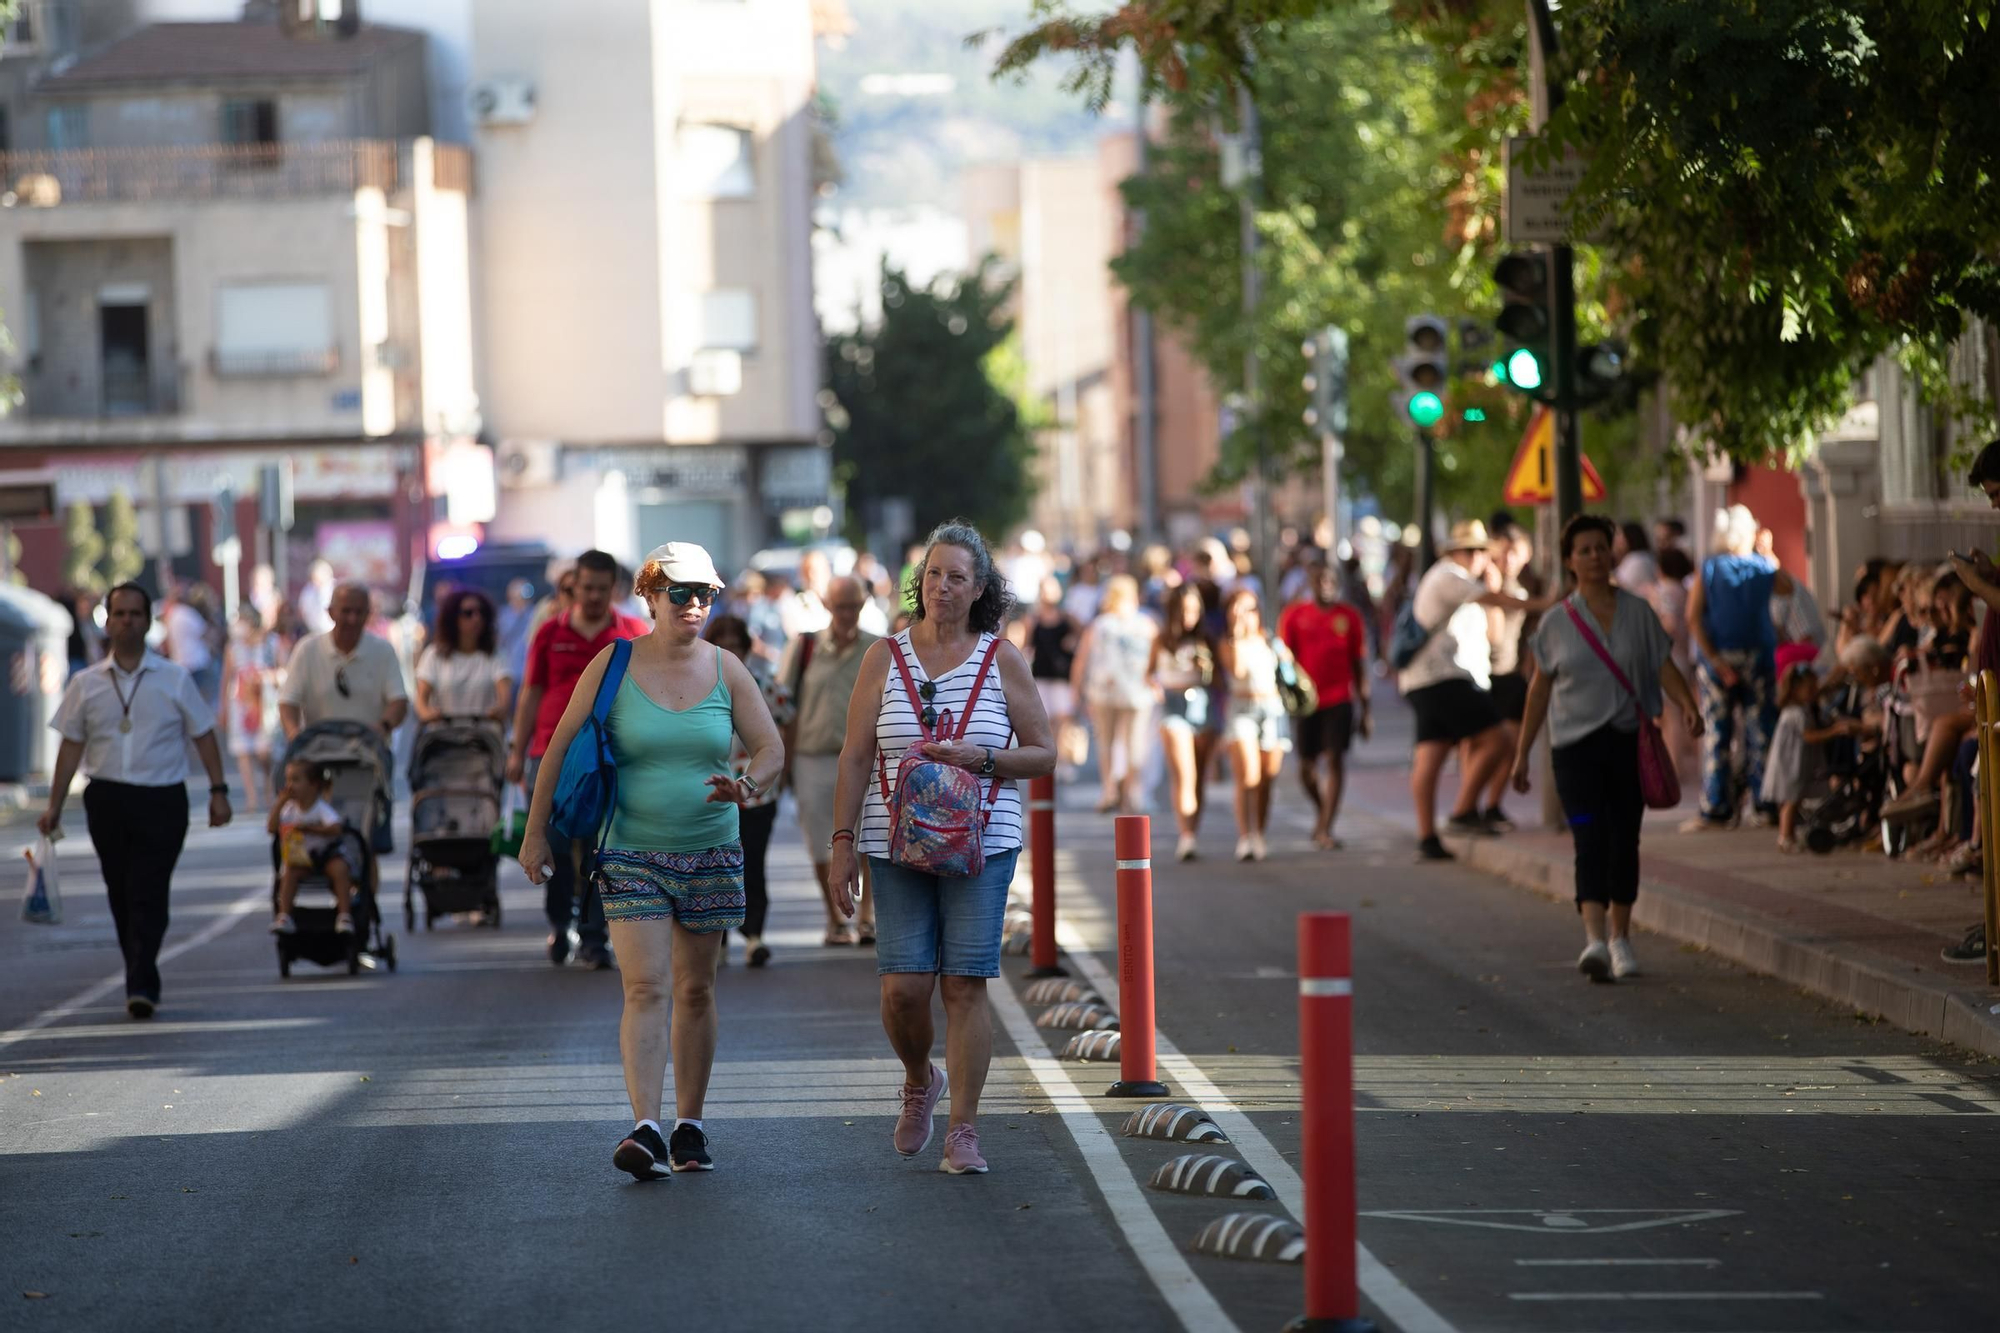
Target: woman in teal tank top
{"type": "Point", "coordinates": [671, 869]}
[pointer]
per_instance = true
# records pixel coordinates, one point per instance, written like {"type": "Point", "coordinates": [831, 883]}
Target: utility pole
{"type": "Point", "coordinates": [1426, 493]}
{"type": "Point", "coordinates": [1248, 199]}
{"type": "Point", "coordinates": [1145, 426]}
{"type": "Point", "coordinates": [1547, 97]}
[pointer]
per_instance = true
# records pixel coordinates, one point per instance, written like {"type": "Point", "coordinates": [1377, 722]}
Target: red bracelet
{"type": "Point", "coordinates": [838, 834]}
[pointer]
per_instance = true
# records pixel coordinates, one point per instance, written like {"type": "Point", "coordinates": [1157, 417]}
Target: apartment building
{"type": "Point", "coordinates": [648, 346]}
{"type": "Point", "coordinates": [229, 250]}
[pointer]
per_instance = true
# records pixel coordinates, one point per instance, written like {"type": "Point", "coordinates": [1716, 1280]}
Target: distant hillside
{"type": "Point", "coordinates": [900, 150]}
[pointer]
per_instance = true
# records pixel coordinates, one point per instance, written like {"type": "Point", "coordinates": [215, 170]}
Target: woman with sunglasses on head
{"type": "Point", "coordinates": [949, 690]}
{"type": "Point", "coordinates": [459, 673]}
{"type": "Point", "coordinates": [671, 868]}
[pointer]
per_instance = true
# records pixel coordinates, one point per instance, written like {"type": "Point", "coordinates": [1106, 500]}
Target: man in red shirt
{"type": "Point", "coordinates": [1330, 643]}
{"type": "Point", "coordinates": [561, 649]}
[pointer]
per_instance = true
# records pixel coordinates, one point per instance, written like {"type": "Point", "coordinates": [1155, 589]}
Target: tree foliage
{"type": "Point", "coordinates": [915, 411]}
{"type": "Point", "coordinates": [1785, 189]}
{"type": "Point", "coordinates": [82, 548]}
{"type": "Point", "coordinates": [123, 560]}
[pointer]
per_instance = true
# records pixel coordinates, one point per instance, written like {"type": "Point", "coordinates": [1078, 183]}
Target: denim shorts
{"type": "Point", "coordinates": [941, 924]}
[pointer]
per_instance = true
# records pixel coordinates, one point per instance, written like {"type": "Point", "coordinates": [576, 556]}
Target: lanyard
{"type": "Point", "coordinates": [125, 701]}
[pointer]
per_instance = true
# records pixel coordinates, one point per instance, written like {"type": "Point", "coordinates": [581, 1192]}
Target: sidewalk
{"type": "Point", "coordinates": [1852, 927]}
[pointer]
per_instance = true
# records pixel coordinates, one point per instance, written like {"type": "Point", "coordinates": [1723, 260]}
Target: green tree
{"type": "Point", "coordinates": [122, 557]}
{"type": "Point", "coordinates": [1786, 190]}
{"type": "Point", "coordinates": [915, 410]}
{"type": "Point", "coordinates": [82, 548]}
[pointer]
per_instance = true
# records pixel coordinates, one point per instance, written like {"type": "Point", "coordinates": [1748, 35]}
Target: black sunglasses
{"type": "Point", "coordinates": [466, 612]}
{"type": "Point", "coordinates": [340, 682]}
{"type": "Point", "coordinates": [929, 692]}
{"type": "Point", "coordinates": [680, 594]}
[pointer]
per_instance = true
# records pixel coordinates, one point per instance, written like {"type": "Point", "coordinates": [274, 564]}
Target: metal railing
{"type": "Point", "coordinates": [201, 171]}
{"type": "Point", "coordinates": [1986, 698]}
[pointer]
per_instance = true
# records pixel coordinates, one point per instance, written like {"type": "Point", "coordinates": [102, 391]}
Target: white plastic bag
{"type": "Point", "coordinates": [41, 905]}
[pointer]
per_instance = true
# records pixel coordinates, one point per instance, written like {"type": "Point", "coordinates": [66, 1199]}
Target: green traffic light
{"type": "Point", "coordinates": [1426, 408]}
{"type": "Point", "coordinates": [1524, 369]}
{"type": "Point", "coordinates": [1475, 414]}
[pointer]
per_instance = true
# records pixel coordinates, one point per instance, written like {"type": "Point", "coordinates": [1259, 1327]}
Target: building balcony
{"type": "Point", "coordinates": [201, 172]}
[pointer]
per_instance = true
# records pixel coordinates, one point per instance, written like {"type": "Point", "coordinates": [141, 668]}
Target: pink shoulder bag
{"type": "Point", "coordinates": [1659, 782]}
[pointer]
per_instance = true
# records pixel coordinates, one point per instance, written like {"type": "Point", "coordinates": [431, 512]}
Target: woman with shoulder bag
{"type": "Point", "coordinates": [944, 719]}
{"type": "Point", "coordinates": [671, 869]}
{"type": "Point", "coordinates": [1603, 659]}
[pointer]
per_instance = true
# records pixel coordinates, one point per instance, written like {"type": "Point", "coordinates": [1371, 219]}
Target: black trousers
{"type": "Point", "coordinates": [1597, 780]}
{"type": "Point", "coordinates": [757, 823]}
{"type": "Point", "coordinates": [138, 833]}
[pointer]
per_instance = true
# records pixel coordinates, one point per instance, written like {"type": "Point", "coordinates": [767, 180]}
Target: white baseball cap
{"type": "Point", "coordinates": [685, 562]}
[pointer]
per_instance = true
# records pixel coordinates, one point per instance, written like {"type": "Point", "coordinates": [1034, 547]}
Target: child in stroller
{"type": "Point", "coordinates": [311, 839]}
{"type": "Point", "coordinates": [1795, 766]}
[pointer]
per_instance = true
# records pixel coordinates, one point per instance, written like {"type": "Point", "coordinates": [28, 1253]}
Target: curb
{"type": "Point", "coordinates": [1851, 978]}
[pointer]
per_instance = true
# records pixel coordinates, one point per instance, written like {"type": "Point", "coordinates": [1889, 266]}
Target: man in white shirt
{"type": "Point", "coordinates": [1444, 686]}
{"type": "Point", "coordinates": [127, 722]}
{"type": "Point", "coordinates": [345, 673]}
{"type": "Point", "coordinates": [316, 599]}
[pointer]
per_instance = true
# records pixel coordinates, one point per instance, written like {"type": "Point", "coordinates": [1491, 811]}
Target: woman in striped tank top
{"type": "Point", "coordinates": [929, 926]}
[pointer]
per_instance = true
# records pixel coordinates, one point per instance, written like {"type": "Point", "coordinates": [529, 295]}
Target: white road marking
{"type": "Point", "coordinates": [255, 900]}
{"type": "Point", "coordinates": [1666, 1296]}
{"type": "Point", "coordinates": [1191, 1302]}
{"type": "Point", "coordinates": [1619, 1263]}
{"type": "Point", "coordinates": [1569, 1222]}
{"type": "Point", "coordinates": [1392, 1297]}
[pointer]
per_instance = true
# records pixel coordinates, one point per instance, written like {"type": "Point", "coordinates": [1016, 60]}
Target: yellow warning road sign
{"type": "Point", "coordinates": [1532, 478]}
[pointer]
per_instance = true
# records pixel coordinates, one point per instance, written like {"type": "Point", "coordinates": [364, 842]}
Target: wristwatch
{"type": "Point", "coordinates": [751, 783]}
{"type": "Point", "coordinates": [219, 789]}
{"type": "Point", "coordinates": [986, 769]}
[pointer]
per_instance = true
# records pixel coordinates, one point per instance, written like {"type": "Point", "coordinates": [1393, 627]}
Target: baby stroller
{"type": "Point", "coordinates": [358, 763]}
{"type": "Point", "coordinates": [456, 767]}
{"type": "Point", "coordinates": [1852, 810]}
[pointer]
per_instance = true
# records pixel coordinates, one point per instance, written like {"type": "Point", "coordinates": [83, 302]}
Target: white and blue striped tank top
{"type": "Point", "coordinates": [897, 728]}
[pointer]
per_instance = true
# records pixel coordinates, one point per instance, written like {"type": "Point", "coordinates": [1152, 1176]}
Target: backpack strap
{"type": "Point", "coordinates": [910, 687]}
{"type": "Point", "coordinates": [978, 683]}
{"type": "Point", "coordinates": [806, 642]}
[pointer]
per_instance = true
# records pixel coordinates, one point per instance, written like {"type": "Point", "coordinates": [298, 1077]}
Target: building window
{"type": "Point", "coordinates": [250, 121]}
{"type": "Point", "coordinates": [715, 162]}
{"type": "Point", "coordinates": [274, 328]}
{"type": "Point", "coordinates": [728, 321]}
{"type": "Point", "coordinates": [69, 127]}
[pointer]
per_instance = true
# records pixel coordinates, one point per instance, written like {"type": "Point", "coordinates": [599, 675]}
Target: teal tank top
{"type": "Point", "coordinates": [664, 762]}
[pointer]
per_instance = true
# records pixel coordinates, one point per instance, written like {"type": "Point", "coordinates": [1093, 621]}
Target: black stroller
{"type": "Point", "coordinates": [353, 755]}
{"type": "Point", "coordinates": [456, 768]}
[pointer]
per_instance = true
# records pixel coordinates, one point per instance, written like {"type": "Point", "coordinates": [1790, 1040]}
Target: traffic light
{"type": "Point", "coordinates": [1600, 370]}
{"type": "Point", "coordinates": [1422, 369]}
{"type": "Point", "coordinates": [1326, 379]}
{"type": "Point", "coordinates": [1525, 321]}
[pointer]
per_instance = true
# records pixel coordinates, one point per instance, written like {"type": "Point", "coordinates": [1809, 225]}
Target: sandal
{"type": "Point", "coordinates": [865, 937]}
{"type": "Point", "coordinates": [343, 924]}
{"type": "Point", "coordinates": [838, 936]}
{"type": "Point", "coordinates": [284, 925]}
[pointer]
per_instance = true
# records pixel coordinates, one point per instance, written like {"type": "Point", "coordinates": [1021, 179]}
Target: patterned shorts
{"type": "Point", "coordinates": [701, 890]}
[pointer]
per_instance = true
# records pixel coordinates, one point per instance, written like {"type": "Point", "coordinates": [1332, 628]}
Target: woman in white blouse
{"type": "Point", "coordinates": [460, 674]}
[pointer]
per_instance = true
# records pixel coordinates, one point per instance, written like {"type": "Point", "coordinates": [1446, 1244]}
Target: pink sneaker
{"type": "Point", "coordinates": [913, 1122]}
{"type": "Point", "coordinates": [961, 1152]}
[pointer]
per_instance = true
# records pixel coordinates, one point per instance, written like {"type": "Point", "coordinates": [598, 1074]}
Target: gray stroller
{"type": "Point", "coordinates": [456, 767]}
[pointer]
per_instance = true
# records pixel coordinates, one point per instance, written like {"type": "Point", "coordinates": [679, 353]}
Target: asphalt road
{"type": "Point", "coordinates": [1697, 1150]}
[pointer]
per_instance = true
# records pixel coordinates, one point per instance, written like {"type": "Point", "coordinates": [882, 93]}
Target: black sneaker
{"type": "Point", "coordinates": [760, 954]}
{"type": "Point", "coordinates": [1473, 823]}
{"type": "Point", "coordinates": [1971, 949]}
{"type": "Point", "coordinates": [140, 1006]}
{"type": "Point", "coordinates": [642, 1155]}
{"type": "Point", "coordinates": [1430, 849]}
{"type": "Point", "coordinates": [1496, 820]}
{"type": "Point", "coordinates": [690, 1149]}
{"type": "Point", "coordinates": [595, 957]}
{"type": "Point", "coordinates": [559, 947]}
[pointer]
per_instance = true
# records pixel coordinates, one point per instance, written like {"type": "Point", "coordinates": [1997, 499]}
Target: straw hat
{"type": "Point", "coordinates": [1469, 536]}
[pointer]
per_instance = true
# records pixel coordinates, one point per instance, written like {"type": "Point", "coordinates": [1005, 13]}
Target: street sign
{"type": "Point", "coordinates": [1537, 203]}
{"type": "Point", "coordinates": [1531, 479]}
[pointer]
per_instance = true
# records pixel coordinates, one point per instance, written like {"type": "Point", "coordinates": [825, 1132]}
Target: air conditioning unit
{"type": "Point", "coordinates": [715, 372]}
{"type": "Point", "coordinates": [502, 101]}
{"type": "Point", "coordinates": [524, 463]}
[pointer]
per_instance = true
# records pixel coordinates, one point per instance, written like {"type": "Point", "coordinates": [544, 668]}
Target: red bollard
{"type": "Point", "coordinates": [1326, 1050]}
{"type": "Point", "coordinates": [1042, 866]}
{"type": "Point", "coordinates": [1132, 845]}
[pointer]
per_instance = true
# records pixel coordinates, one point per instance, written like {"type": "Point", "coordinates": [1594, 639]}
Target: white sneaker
{"type": "Point", "coordinates": [1257, 848]}
{"type": "Point", "coordinates": [1184, 849]}
{"type": "Point", "coordinates": [1243, 849]}
{"type": "Point", "coordinates": [1624, 963]}
{"type": "Point", "coordinates": [1595, 961]}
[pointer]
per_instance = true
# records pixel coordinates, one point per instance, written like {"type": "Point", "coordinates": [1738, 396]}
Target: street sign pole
{"type": "Point", "coordinates": [1426, 484]}
{"type": "Point", "coordinates": [1542, 47]}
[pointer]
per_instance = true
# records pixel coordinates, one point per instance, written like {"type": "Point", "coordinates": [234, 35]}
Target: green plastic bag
{"type": "Point", "coordinates": [512, 829]}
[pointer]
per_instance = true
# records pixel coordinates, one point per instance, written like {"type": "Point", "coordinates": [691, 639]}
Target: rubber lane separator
{"type": "Point", "coordinates": [1191, 1302]}
{"type": "Point", "coordinates": [1393, 1299]}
